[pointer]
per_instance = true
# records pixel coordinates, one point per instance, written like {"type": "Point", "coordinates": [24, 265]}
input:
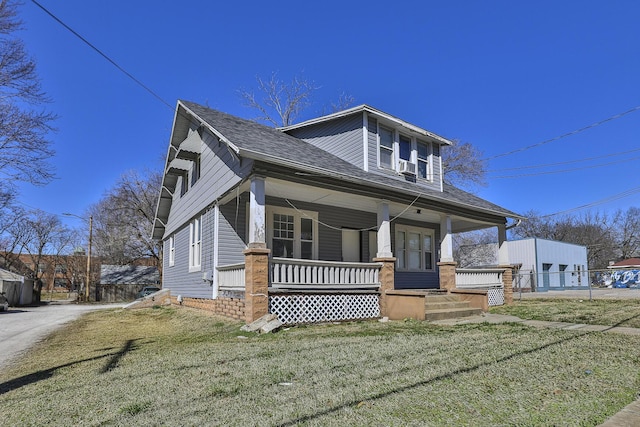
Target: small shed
{"type": "Point", "coordinates": [122, 282]}
{"type": "Point", "coordinates": [18, 289]}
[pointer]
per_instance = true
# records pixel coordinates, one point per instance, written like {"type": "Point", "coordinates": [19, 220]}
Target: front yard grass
{"type": "Point", "coordinates": [175, 366]}
{"type": "Point", "coordinates": [596, 312]}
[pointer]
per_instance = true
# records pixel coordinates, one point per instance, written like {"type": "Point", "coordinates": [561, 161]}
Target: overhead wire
{"type": "Point", "coordinates": [582, 129]}
{"type": "Point", "coordinates": [544, 165]}
{"type": "Point", "coordinates": [104, 55]}
{"type": "Point", "coordinates": [621, 195]}
{"type": "Point", "coordinates": [565, 170]}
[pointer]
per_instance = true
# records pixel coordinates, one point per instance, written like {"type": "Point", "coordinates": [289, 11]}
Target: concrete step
{"type": "Point", "coordinates": [444, 305]}
{"type": "Point", "coordinates": [434, 299]}
{"type": "Point", "coordinates": [451, 313]}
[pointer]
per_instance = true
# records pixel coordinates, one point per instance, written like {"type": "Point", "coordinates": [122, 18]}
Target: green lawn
{"type": "Point", "coordinates": [596, 312]}
{"type": "Point", "coordinates": [181, 367]}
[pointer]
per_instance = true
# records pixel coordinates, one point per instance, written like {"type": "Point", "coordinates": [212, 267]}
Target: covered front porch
{"type": "Point", "coordinates": [283, 271]}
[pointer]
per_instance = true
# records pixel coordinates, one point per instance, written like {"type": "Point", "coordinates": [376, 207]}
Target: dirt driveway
{"type": "Point", "coordinates": [22, 327]}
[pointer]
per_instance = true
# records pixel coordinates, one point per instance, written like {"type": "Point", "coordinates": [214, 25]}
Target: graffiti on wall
{"type": "Point", "coordinates": [625, 279]}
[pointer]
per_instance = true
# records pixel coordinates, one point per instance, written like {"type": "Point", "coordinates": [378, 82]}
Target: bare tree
{"type": "Point", "coordinates": [627, 229]}
{"type": "Point", "coordinates": [24, 126]}
{"type": "Point", "coordinates": [279, 103]}
{"type": "Point", "coordinates": [123, 220]}
{"type": "Point", "coordinates": [463, 165]}
{"type": "Point", "coordinates": [476, 248]}
{"type": "Point", "coordinates": [46, 237]}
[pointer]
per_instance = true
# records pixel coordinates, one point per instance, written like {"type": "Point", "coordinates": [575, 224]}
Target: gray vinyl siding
{"type": "Point", "coordinates": [232, 231]}
{"type": "Point", "coordinates": [372, 143]}
{"type": "Point", "coordinates": [219, 172]}
{"type": "Point", "coordinates": [177, 278]}
{"type": "Point", "coordinates": [341, 137]}
{"type": "Point", "coordinates": [414, 279]}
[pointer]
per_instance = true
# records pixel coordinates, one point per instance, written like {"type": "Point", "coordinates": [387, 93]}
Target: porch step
{"type": "Point", "coordinates": [440, 307]}
{"type": "Point", "coordinates": [451, 313]}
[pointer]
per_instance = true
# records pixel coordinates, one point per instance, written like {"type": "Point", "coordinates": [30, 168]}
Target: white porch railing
{"type": "Point", "coordinates": [478, 277]}
{"type": "Point", "coordinates": [231, 277]}
{"type": "Point", "coordinates": [482, 278]}
{"type": "Point", "coordinates": [302, 274]}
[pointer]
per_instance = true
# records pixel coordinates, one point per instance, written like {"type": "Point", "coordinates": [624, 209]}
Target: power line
{"type": "Point", "coordinates": [566, 170]}
{"type": "Point", "coordinates": [566, 162]}
{"type": "Point", "coordinates": [104, 55]}
{"type": "Point", "coordinates": [582, 129]}
{"type": "Point", "coordinates": [622, 195]}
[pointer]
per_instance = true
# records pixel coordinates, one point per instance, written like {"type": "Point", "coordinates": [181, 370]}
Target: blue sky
{"type": "Point", "coordinates": [501, 75]}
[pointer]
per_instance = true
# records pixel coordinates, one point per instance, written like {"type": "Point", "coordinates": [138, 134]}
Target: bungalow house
{"type": "Point", "coordinates": [319, 220]}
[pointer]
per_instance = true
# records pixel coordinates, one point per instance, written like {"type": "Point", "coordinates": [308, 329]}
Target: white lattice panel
{"type": "Point", "coordinates": [496, 296]}
{"type": "Point", "coordinates": [312, 308]}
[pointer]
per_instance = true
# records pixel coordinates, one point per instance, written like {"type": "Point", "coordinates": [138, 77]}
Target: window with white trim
{"type": "Point", "coordinates": [172, 251]}
{"type": "Point", "coordinates": [394, 146]}
{"type": "Point", "coordinates": [292, 233]}
{"type": "Point", "coordinates": [386, 148]}
{"type": "Point", "coordinates": [414, 248]}
{"type": "Point", "coordinates": [424, 155]}
{"type": "Point", "coordinates": [195, 170]}
{"type": "Point", "coordinates": [195, 244]}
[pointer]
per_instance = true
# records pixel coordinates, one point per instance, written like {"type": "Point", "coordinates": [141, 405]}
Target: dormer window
{"type": "Point", "coordinates": [386, 148]}
{"type": "Point", "coordinates": [405, 154]}
{"type": "Point", "coordinates": [423, 152]}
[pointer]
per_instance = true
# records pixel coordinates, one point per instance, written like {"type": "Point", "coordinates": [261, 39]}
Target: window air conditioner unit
{"type": "Point", "coordinates": [406, 167]}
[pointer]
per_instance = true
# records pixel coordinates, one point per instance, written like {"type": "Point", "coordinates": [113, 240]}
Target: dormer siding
{"type": "Point", "coordinates": [341, 137]}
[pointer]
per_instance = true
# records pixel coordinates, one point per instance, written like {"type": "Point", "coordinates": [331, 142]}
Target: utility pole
{"type": "Point", "coordinates": [86, 289]}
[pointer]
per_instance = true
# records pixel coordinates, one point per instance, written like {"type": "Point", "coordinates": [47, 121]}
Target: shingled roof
{"type": "Point", "coordinates": [258, 142]}
{"type": "Point", "coordinates": [129, 275]}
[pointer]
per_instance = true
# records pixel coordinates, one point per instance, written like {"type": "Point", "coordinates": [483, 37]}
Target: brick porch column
{"type": "Point", "coordinates": [507, 281]}
{"type": "Point", "coordinates": [386, 281]}
{"type": "Point", "coordinates": [256, 280]}
{"type": "Point", "coordinates": [447, 274]}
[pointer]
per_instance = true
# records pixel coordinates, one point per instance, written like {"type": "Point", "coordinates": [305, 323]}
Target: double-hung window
{"type": "Point", "coordinates": [293, 233]}
{"type": "Point", "coordinates": [414, 248]}
{"type": "Point", "coordinates": [386, 148]}
{"type": "Point", "coordinates": [195, 244]}
{"type": "Point", "coordinates": [172, 251]}
{"type": "Point", "coordinates": [195, 170]}
{"type": "Point", "coordinates": [394, 146]}
{"type": "Point", "coordinates": [423, 159]}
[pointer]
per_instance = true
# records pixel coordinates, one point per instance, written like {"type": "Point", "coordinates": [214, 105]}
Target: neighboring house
{"type": "Point", "coordinates": [55, 271]}
{"type": "Point", "coordinates": [122, 282]}
{"type": "Point", "coordinates": [541, 264]}
{"type": "Point", "coordinates": [341, 204]}
{"type": "Point", "coordinates": [18, 289]}
{"type": "Point", "coordinates": [624, 274]}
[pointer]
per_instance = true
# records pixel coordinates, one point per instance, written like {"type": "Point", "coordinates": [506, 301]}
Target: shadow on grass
{"type": "Point", "coordinates": [449, 375]}
{"type": "Point", "coordinates": [48, 373]}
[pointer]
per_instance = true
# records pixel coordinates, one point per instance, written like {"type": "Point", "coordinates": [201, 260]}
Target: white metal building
{"type": "Point", "coordinates": [547, 264]}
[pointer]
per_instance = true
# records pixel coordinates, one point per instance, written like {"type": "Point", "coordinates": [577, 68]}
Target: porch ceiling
{"type": "Point", "coordinates": [307, 193]}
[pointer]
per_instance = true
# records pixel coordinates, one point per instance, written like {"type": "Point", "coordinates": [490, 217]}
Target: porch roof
{"type": "Point", "coordinates": [262, 143]}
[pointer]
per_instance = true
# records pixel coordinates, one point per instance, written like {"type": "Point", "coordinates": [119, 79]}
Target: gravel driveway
{"type": "Point", "coordinates": [22, 327]}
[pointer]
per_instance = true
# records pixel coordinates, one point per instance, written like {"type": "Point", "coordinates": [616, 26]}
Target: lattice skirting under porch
{"type": "Point", "coordinates": [312, 308]}
{"type": "Point", "coordinates": [496, 296]}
